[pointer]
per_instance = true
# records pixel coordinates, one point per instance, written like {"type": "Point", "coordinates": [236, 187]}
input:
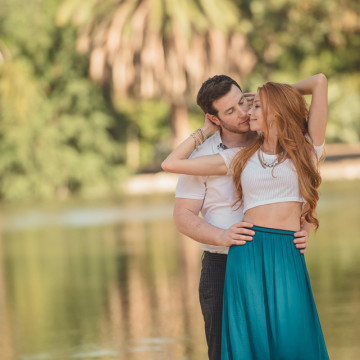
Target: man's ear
{"type": "Point", "coordinates": [213, 119]}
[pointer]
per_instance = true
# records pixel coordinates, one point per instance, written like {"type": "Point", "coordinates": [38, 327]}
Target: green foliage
{"type": "Point", "coordinates": [61, 134]}
{"type": "Point", "coordinates": [295, 39]}
{"type": "Point", "coordinates": [23, 130]}
{"type": "Point", "coordinates": [56, 129]}
{"type": "Point", "coordinates": [149, 121]}
{"type": "Point", "coordinates": [344, 109]}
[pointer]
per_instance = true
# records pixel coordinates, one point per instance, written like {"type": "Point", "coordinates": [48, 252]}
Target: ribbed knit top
{"type": "Point", "coordinates": [267, 185]}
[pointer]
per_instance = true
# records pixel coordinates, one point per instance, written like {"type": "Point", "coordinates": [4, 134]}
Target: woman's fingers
{"type": "Point", "coordinates": [249, 98]}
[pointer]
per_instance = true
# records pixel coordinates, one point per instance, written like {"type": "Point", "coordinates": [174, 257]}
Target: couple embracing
{"type": "Point", "coordinates": [256, 183]}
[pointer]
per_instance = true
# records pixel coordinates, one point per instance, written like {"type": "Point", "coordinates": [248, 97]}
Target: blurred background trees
{"type": "Point", "coordinates": [159, 49]}
{"type": "Point", "coordinates": [91, 91]}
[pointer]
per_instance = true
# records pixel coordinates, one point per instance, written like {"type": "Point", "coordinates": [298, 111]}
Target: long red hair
{"type": "Point", "coordinates": [294, 142]}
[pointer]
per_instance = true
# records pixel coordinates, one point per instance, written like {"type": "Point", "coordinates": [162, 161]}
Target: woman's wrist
{"type": "Point", "coordinates": [207, 130]}
{"type": "Point", "coordinates": [201, 134]}
{"type": "Point", "coordinates": [199, 137]}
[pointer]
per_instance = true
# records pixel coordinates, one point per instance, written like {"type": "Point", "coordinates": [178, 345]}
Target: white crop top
{"type": "Point", "coordinates": [270, 185]}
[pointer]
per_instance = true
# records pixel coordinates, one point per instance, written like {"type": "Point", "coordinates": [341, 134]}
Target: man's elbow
{"type": "Point", "coordinates": [179, 220]}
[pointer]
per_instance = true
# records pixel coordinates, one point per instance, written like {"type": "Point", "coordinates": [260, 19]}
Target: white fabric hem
{"type": "Point", "coordinates": [190, 196]}
{"type": "Point", "coordinates": [274, 201]}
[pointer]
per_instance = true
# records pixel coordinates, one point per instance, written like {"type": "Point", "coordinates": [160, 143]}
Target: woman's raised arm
{"type": "Point", "coordinates": [178, 162]}
{"type": "Point", "coordinates": [317, 86]}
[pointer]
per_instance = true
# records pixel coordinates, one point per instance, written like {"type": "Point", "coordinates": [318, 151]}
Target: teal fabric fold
{"type": "Point", "coordinates": [269, 311]}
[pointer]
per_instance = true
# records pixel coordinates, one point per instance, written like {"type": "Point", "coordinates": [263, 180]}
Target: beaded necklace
{"type": "Point", "coordinates": [264, 163]}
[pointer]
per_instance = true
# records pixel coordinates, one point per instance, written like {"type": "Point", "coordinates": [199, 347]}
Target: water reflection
{"type": "Point", "coordinates": [117, 281]}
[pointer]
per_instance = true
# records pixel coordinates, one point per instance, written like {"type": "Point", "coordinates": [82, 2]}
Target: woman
{"type": "Point", "coordinates": [269, 311]}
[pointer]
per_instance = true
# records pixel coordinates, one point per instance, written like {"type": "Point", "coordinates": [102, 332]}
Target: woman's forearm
{"type": "Point", "coordinates": [309, 85]}
{"type": "Point", "coordinates": [317, 86]}
{"type": "Point", "coordinates": [178, 160]}
{"type": "Point", "coordinates": [185, 149]}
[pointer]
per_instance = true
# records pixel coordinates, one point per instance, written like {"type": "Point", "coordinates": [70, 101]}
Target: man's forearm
{"type": "Point", "coordinates": [307, 227]}
{"type": "Point", "coordinates": [197, 228]}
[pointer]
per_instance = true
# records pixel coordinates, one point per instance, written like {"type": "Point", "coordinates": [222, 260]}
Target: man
{"type": "Point", "coordinates": [224, 103]}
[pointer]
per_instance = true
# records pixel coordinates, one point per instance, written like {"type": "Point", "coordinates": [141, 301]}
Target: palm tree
{"type": "Point", "coordinates": [159, 48]}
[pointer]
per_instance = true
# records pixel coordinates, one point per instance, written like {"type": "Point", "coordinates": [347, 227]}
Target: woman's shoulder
{"type": "Point", "coordinates": [319, 149]}
{"type": "Point", "coordinates": [229, 154]}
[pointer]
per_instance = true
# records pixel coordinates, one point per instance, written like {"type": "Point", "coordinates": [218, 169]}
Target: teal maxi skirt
{"type": "Point", "coordinates": [269, 311]}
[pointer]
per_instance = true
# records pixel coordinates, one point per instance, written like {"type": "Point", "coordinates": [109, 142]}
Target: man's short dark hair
{"type": "Point", "coordinates": [212, 89]}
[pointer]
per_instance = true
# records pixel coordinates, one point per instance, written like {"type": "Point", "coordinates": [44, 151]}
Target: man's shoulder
{"type": "Point", "coordinates": [209, 147]}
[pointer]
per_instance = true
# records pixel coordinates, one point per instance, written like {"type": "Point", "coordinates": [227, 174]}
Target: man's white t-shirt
{"type": "Point", "coordinates": [218, 193]}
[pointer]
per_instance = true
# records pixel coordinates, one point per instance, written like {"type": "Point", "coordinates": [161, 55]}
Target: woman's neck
{"type": "Point", "coordinates": [270, 145]}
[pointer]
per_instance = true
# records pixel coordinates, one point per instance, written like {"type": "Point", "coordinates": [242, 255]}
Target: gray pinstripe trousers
{"type": "Point", "coordinates": [211, 288]}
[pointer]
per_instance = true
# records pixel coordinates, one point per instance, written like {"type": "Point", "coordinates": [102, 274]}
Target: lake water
{"type": "Point", "coordinates": [114, 279]}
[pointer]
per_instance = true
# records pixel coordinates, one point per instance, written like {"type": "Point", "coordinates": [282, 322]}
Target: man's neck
{"type": "Point", "coordinates": [231, 140]}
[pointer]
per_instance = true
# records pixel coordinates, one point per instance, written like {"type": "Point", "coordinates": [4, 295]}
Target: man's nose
{"type": "Point", "coordinates": [242, 110]}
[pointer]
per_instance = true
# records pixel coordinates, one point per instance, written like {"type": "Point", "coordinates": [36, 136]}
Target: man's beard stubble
{"type": "Point", "coordinates": [232, 129]}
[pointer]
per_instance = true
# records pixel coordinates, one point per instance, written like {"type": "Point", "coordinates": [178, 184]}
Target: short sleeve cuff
{"type": "Point", "coordinates": [189, 196]}
{"type": "Point", "coordinates": [319, 149]}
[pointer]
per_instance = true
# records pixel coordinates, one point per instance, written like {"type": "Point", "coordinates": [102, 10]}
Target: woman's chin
{"type": "Point", "coordinates": [253, 126]}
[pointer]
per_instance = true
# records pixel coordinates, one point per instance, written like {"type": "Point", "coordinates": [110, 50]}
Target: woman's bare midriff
{"type": "Point", "coordinates": [285, 215]}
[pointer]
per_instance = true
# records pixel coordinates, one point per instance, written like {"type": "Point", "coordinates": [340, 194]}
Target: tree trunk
{"type": "Point", "coordinates": [132, 148]}
{"type": "Point", "coordinates": [179, 123]}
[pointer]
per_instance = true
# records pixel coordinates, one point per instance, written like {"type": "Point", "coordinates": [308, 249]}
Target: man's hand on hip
{"type": "Point", "coordinates": [237, 234]}
{"type": "Point", "coordinates": [302, 236]}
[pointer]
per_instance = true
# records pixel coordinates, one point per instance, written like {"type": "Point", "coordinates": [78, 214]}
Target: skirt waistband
{"type": "Point", "coordinates": [273, 231]}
